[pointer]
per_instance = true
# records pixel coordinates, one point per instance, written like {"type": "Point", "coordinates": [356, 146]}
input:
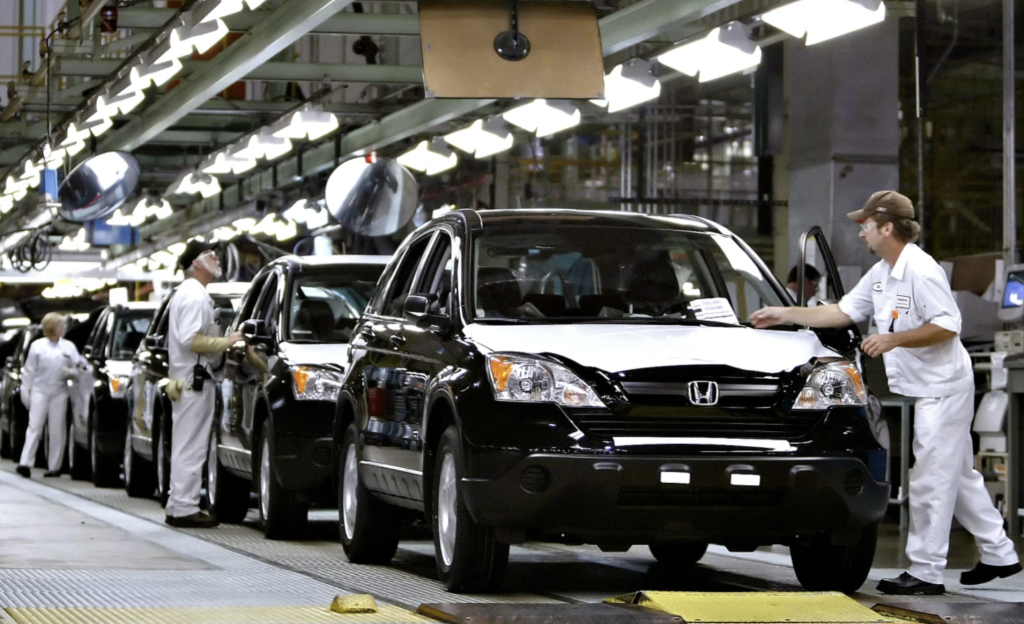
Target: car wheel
{"type": "Point", "coordinates": [104, 467]}
{"type": "Point", "coordinates": [162, 460]}
{"type": "Point", "coordinates": [469, 558]}
{"type": "Point", "coordinates": [369, 528]}
{"type": "Point", "coordinates": [78, 466]}
{"type": "Point", "coordinates": [681, 555]}
{"type": "Point", "coordinates": [5, 445]}
{"type": "Point", "coordinates": [821, 565]}
{"type": "Point", "coordinates": [17, 436]}
{"type": "Point", "coordinates": [227, 495]}
{"type": "Point", "coordinates": [139, 480]}
{"type": "Point", "coordinates": [281, 513]}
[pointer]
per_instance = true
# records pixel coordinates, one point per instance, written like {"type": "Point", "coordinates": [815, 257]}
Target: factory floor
{"type": "Point", "coordinates": [70, 552]}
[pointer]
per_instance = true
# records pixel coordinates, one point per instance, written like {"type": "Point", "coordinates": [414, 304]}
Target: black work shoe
{"type": "Point", "coordinates": [906, 585]}
{"type": "Point", "coordinates": [198, 520]}
{"type": "Point", "coordinates": [983, 573]}
{"type": "Point", "coordinates": [24, 471]}
{"type": "Point", "coordinates": [51, 473]}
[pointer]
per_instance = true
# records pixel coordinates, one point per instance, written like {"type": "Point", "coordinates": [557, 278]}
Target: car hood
{"type": "Point", "coordinates": [332, 353]}
{"type": "Point", "coordinates": [618, 348]}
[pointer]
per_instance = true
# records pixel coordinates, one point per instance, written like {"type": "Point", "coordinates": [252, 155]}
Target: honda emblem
{"type": "Point", "coordinates": [703, 392]}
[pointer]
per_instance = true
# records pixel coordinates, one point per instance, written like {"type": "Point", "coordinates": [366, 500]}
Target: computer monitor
{"type": "Point", "coordinates": [1012, 306]}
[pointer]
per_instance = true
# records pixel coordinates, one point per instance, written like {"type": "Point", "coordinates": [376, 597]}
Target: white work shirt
{"type": "Point", "coordinates": [192, 312]}
{"type": "Point", "coordinates": [49, 366]}
{"type": "Point", "coordinates": [917, 289]}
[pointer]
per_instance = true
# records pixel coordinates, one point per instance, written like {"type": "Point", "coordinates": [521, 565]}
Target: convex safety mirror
{"type": "Point", "coordinates": [98, 186]}
{"type": "Point", "coordinates": [372, 198]}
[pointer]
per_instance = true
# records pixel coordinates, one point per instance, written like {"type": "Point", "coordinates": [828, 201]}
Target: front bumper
{"type": "Point", "coordinates": [622, 498]}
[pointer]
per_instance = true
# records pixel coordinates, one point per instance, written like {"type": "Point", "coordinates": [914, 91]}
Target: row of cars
{"type": "Point", "coordinates": [525, 375]}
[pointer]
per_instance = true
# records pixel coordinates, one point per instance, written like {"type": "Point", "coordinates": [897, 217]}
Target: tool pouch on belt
{"type": "Point", "coordinates": [199, 376]}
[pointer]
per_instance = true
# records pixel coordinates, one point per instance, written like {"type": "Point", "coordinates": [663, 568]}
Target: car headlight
{"type": "Point", "coordinates": [517, 378]}
{"type": "Point", "coordinates": [315, 384]}
{"type": "Point", "coordinates": [118, 386]}
{"type": "Point", "coordinates": [832, 383]}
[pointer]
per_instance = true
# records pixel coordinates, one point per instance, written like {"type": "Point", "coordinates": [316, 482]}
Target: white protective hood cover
{"type": "Point", "coordinates": [325, 353]}
{"type": "Point", "coordinates": [119, 368]}
{"type": "Point", "coordinates": [617, 348]}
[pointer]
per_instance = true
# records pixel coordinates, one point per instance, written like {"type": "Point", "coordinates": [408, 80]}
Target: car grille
{"type": "Point", "coordinates": [738, 395]}
{"type": "Point", "coordinates": [699, 497]}
{"type": "Point", "coordinates": [700, 423]}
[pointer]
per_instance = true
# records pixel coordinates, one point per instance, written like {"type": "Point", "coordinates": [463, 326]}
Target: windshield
{"type": "Point", "coordinates": [594, 272]}
{"type": "Point", "coordinates": [129, 330]}
{"type": "Point", "coordinates": [325, 307]}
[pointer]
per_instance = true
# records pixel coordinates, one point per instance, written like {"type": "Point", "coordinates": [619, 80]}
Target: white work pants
{"type": "Point", "coordinates": [944, 484]}
{"type": "Point", "coordinates": [190, 437]}
{"type": "Point", "coordinates": [49, 410]}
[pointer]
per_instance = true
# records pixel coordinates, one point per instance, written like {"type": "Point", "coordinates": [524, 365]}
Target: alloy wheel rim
{"type": "Point", "coordinates": [211, 472]}
{"type": "Point", "coordinates": [128, 456]}
{"type": "Point", "coordinates": [265, 479]}
{"type": "Point", "coordinates": [351, 482]}
{"type": "Point", "coordinates": [93, 453]}
{"type": "Point", "coordinates": [160, 465]}
{"type": "Point", "coordinates": [446, 497]}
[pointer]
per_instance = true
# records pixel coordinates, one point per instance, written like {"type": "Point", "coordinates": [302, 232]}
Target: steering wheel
{"type": "Point", "coordinates": [570, 296]}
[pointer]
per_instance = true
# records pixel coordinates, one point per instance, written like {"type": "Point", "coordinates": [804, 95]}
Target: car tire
{"type": "Point", "coordinates": [139, 478]}
{"type": "Point", "coordinates": [226, 494]}
{"type": "Point", "coordinates": [162, 460]}
{"type": "Point", "coordinates": [78, 466]}
{"type": "Point", "coordinates": [369, 528]}
{"type": "Point", "coordinates": [821, 565]}
{"type": "Point", "coordinates": [469, 557]}
{"type": "Point", "coordinates": [679, 554]}
{"type": "Point", "coordinates": [105, 469]}
{"type": "Point", "coordinates": [17, 436]}
{"type": "Point", "coordinates": [282, 515]}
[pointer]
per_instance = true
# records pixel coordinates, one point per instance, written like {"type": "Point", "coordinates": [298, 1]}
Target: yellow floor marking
{"type": "Point", "coordinates": [758, 607]}
{"type": "Point", "coordinates": [212, 615]}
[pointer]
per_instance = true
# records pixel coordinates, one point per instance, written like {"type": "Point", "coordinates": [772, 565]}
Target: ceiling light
{"type": "Point", "coordinates": [311, 122]}
{"type": "Point", "coordinates": [175, 45]}
{"type": "Point", "coordinates": [254, 4]}
{"type": "Point", "coordinates": [53, 157]}
{"type": "Point", "coordinates": [724, 51]}
{"type": "Point", "coordinates": [483, 138]}
{"type": "Point", "coordinates": [6, 203]}
{"type": "Point", "coordinates": [117, 219]}
{"type": "Point", "coordinates": [286, 230]}
{"type": "Point", "coordinates": [205, 35]}
{"type": "Point", "coordinates": [191, 183]}
{"type": "Point", "coordinates": [629, 84]}
{"type": "Point", "coordinates": [218, 163]}
{"type": "Point", "coordinates": [265, 226]}
{"type": "Point", "coordinates": [78, 243]}
{"type": "Point", "coordinates": [244, 225]}
{"type": "Point", "coordinates": [822, 20]}
{"type": "Point", "coordinates": [264, 145]}
{"type": "Point", "coordinates": [125, 95]}
{"type": "Point", "coordinates": [545, 117]}
{"type": "Point", "coordinates": [30, 175]}
{"type": "Point", "coordinates": [16, 188]}
{"type": "Point", "coordinates": [431, 156]}
{"type": "Point", "coordinates": [154, 71]}
{"type": "Point", "coordinates": [177, 248]}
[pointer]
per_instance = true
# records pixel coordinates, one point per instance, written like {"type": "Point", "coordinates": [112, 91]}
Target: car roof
{"type": "Point", "coordinates": [301, 262]}
{"type": "Point", "coordinates": [569, 216]}
{"type": "Point", "coordinates": [138, 305]}
{"type": "Point", "coordinates": [228, 288]}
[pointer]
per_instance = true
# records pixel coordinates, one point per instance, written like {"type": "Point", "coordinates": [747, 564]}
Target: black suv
{"type": "Point", "coordinates": [96, 441]}
{"type": "Point", "coordinates": [590, 377]}
{"type": "Point", "coordinates": [13, 413]}
{"type": "Point", "coordinates": [147, 448]}
{"type": "Point", "coordinates": [276, 431]}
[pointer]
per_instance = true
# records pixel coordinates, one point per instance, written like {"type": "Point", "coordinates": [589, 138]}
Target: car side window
{"type": "Point", "coordinates": [251, 297]}
{"type": "Point", "coordinates": [404, 277]}
{"type": "Point", "coordinates": [266, 306]}
{"type": "Point", "coordinates": [95, 339]}
{"type": "Point", "coordinates": [437, 274]}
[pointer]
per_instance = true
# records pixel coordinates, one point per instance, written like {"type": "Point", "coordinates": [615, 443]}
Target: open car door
{"type": "Point", "coordinates": [845, 340]}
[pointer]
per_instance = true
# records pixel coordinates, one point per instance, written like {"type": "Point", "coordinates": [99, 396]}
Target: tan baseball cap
{"type": "Point", "coordinates": [888, 203]}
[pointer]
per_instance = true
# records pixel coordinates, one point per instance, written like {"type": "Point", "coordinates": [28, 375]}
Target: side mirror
{"type": "Point", "coordinates": [9, 362]}
{"type": "Point", "coordinates": [87, 351]}
{"type": "Point", "coordinates": [153, 342]}
{"type": "Point", "coordinates": [255, 331]}
{"type": "Point", "coordinates": [422, 311]}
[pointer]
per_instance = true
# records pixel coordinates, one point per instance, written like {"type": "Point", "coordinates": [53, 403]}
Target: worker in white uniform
{"type": "Point", "coordinates": [51, 363]}
{"type": "Point", "coordinates": [909, 297]}
{"type": "Point", "coordinates": [194, 335]}
{"type": "Point", "coordinates": [812, 277]}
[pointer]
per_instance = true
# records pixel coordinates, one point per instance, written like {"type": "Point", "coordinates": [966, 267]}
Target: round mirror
{"type": "Point", "coordinates": [98, 186]}
{"type": "Point", "coordinates": [372, 199]}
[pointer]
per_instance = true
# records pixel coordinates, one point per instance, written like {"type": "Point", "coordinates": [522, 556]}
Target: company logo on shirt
{"type": "Point", "coordinates": [877, 287]}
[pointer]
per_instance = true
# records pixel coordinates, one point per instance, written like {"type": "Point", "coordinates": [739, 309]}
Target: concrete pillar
{"type": "Point", "coordinates": [843, 134]}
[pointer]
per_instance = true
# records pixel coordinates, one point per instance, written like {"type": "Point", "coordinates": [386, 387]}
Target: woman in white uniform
{"type": "Point", "coordinates": [52, 361]}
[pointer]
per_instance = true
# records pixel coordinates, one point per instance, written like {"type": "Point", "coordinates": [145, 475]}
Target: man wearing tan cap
{"type": "Point", "coordinates": [918, 322]}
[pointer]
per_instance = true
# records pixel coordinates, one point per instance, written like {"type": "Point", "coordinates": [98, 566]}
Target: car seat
{"type": "Point", "coordinates": [498, 292]}
{"type": "Point", "coordinates": [651, 284]}
{"type": "Point", "coordinates": [316, 317]}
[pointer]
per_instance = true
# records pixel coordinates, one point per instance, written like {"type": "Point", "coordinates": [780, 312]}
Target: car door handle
{"type": "Point", "coordinates": [236, 354]}
{"type": "Point", "coordinates": [397, 340]}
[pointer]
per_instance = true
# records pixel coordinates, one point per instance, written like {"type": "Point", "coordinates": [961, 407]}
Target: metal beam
{"type": "Point", "coordinates": [649, 18]}
{"type": "Point", "coordinates": [341, 24]}
{"type": "Point", "coordinates": [272, 71]}
{"type": "Point", "coordinates": [278, 30]}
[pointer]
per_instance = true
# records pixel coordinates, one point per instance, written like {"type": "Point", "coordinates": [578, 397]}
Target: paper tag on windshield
{"type": "Point", "coordinates": [714, 309]}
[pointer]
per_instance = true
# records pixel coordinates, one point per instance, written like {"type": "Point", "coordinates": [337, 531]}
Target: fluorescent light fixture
{"type": "Point", "coordinates": [117, 219]}
{"type": "Point", "coordinates": [191, 183]}
{"type": "Point", "coordinates": [310, 122]}
{"type": "Point", "coordinates": [16, 188]}
{"type": "Point", "coordinates": [244, 224]}
{"type": "Point", "coordinates": [254, 4]}
{"type": "Point", "coordinates": [163, 258]}
{"type": "Point", "coordinates": [6, 203]}
{"type": "Point", "coordinates": [177, 248]}
{"type": "Point", "coordinates": [822, 20]}
{"type": "Point", "coordinates": [31, 177]}
{"type": "Point", "coordinates": [175, 45]}
{"type": "Point", "coordinates": [207, 34]}
{"type": "Point", "coordinates": [545, 117]}
{"type": "Point", "coordinates": [265, 226]}
{"type": "Point", "coordinates": [220, 163]}
{"type": "Point", "coordinates": [726, 50]}
{"type": "Point", "coordinates": [125, 96]}
{"type": "Point", "coordinates": [431, 157]}
{"type": "Point", "coordinates": [154, 71]}
{"type": "Point", "coordinates": [302, 212]}
{"type": "Point", "coordinates": [77, 243]}
{"type": "Point", "coordinates": [53, 157]}
{"type": "Point", "coordinates": [629, 84]}
{"type": "Point", "coordinates": [286, 230]}
{"type": "Point", "coordinates": [73, 137]}
{"type": "Point", "coordinates": [483, 138]}
{"type": "Point", "coordinates": [296, 212]}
